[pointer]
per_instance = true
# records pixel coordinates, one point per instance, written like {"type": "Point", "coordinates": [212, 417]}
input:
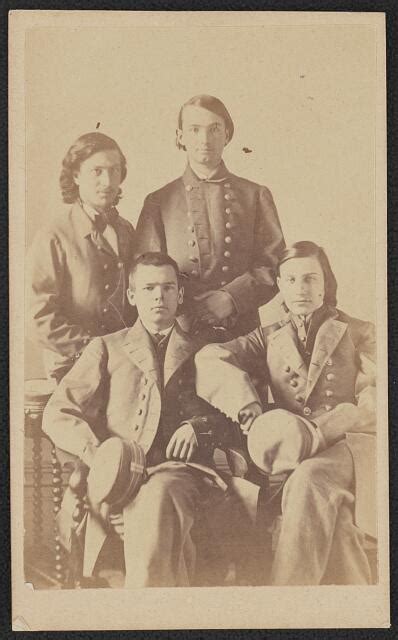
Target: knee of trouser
{"type": "Point", "coordinates": [164, 487]}
{"type": "Point", "coordinates": [310, 476]}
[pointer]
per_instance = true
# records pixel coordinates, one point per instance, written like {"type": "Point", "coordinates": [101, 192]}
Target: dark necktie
{"type": "Point", "coordinates": [103, 219]}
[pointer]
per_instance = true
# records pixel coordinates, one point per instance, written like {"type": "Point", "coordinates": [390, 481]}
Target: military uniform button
{"type": "Point", "coordinates": [181, 413]}
{"type": "Point", "coordinates": [191, 228]}
{"type": "Point", "coordinates": [188, 187]}
{"type": "Point", "coordinates": [137, 427]}
{"type": "Point", "coordinates": [191, 243]}
{"type": "Point", "coordinates": [225, 268]}
{"type": "Point", "coordinates": [227, 185]}
{"type": "Point", "coordinates": [139, 412]}
{"type": "Point", "coordinates": [303, 338]}
{"type": "Point", "coordinates": [294, 383]}
{"type": "Point", "coordinates": [86, 340]}
{"type": "Point", "coordinates": [194, 273]}
{"type": "Point", "coordinates": [307, 411]}
{"type": "Point", "coordinates": [193, 258]}
{"type": "Point", "coordinates": [104, 310]}
{"type": "Point", "coordinates": [327, 407]}
{"type": "Point", "coordinates": [105, 266]}
{"type": "Point", "coordinates": [228, 239]}
{"type": "Point", "coordinates": [223, 283]}
{"type": "Point", "coordinates": [287, 369]}
{"type": "Point", "coordinates": [228, 225]}
{"type": "Point", "coordinates": [145, 381]}
{"type": "Point", "coordinates": [106, 287]}
{"type": "Point", "coordinates": [119, 265]}
{"type": "Point", "coordinates": [227, 254]}
{"type": "Point", "coordinates": [228, 210]}
{"type": "Point", "coordinates": [330, 376]}
{"type": "Point", "coordinates": [299, 399]}
{"type": "Point", "coordinates": [329, 362]}
{"type": "Point", "coordinates": [228, 196]}
{"type": "Point", "coordinates": [143, 396]}
{"type": "Point", "coordinates": [329, 393]}
{"type": "Point", "coordinates": [180, 381]}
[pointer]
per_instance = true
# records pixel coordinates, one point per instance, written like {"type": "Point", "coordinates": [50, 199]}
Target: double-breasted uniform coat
{"type": "Point", "coordinates": [76, 286]}
{"type": "Point", "coordinates": [118, 389]}
{"type": "Point", "coordinates": [223, 232]}
{"type": "Point", "coordinates": [335, 389]}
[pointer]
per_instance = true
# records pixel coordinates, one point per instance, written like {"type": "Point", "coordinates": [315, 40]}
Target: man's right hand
{"type": "Point", "coordinates": [248, 414]}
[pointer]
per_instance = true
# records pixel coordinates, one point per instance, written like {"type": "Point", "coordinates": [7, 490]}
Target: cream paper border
{"type": "Point", "coordinates": [193, 608]}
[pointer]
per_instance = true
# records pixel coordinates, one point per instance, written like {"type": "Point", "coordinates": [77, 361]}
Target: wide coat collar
{"type": "Point", "coordinates": [141, 350]}
{"type": "Point", "coordinates": [327, 339]}
{"type": "Point", "coordinates": [84, 227]}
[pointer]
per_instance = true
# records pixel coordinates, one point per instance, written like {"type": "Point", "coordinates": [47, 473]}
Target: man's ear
{"type": "Point", "coordinates": [278, 281]}
{"type": "Point", "coordinates": [131, 296]}
{"type": "Point", "coordinates": [180, 295]}
{"type": "Point", "coordinates": [76, 178]}
{"type": "Point", "coordinates": [227, 140]}
{"type": "Point", "coordinates": [179, 136]}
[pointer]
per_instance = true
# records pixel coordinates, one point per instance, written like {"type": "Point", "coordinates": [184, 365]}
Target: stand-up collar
{"type": "Point", "coordinates": [190, 178]}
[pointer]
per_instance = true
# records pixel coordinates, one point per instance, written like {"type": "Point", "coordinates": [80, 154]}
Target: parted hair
{"type": "Point", "coordinates": [155, 259]}
{"type": "Point", "coordinates": [84, 147]}
{"type": "Point", "coordinates": [308, 249]}
{"type": "Point", "coordinates": [211, 104]}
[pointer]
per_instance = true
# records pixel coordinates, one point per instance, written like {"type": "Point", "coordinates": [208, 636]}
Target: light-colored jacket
{"type": "Point", "coordinates": [336, 391]}
{"type": "Point", "coordinates": [76, 286]}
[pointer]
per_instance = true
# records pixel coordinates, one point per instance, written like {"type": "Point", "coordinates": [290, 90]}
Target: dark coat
{"type": "Point", "coordinates": [76, 286]}
{"type": "Point", "coordinates": [224, 233]}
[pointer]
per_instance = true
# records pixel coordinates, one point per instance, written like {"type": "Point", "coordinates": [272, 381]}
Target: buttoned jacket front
{"type": "Point", "coordinates": [76, 286]}
{"type": "Point", "coordinates": [116, 389]}
{"type": "Point", "coordinates": [223, 232]}
{"type": "Point", "coordinates": [336, 391]}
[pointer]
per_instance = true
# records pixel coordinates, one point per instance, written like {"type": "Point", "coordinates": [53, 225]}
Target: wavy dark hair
{"type": "Point", "coordinates": [308, 249]}
{"type": "Point", "coordinates": [211, 104]}
{"type": "Point", "coordinates": [84, 147]}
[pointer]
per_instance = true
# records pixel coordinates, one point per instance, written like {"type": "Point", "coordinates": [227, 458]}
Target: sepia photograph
{"type": "Point", "coordinates": [198, 320]}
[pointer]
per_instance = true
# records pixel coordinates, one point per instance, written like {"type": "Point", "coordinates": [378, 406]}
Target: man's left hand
{"type": "Point", "coordinates": [182, 444]}
{"type": "Point", "coordinates": [214, 306]}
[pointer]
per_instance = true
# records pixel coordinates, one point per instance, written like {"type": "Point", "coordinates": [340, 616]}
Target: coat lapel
{"type": "Point", "coordinates": [284, 340]}
{"type": "Point", "coordinates": [140, 349]}
{"type": "Point", "coordinates": [328, 337]}
{"type": "Point", "coordinates": [180, 347]}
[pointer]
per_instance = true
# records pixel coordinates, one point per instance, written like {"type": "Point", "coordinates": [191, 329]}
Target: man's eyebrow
{"type": "Point", "coordinates": [204, 125]}
{"type": "Point", "coordinates": [152, 284]}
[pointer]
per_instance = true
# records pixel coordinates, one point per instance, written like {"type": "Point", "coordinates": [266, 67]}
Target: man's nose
{"type": "Point", "coordinates": [158, 291]}
{"type": "Point", "coordinates": [105, 178]}
{"type": "Point", "coordinates": [204, 135]}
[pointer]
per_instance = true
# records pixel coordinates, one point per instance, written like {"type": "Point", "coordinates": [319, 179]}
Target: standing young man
{"type": "Point", "coordinates": [222, 230]}
{"type": "Point", "coordinates": [320, 366]}
{"type": "Point", "coordinates": [138, 384]}
{"type": "Point", "coordinates": [76, 266]}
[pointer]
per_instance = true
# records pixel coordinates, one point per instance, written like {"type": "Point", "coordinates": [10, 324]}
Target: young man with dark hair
{"type": "Point", "coordinates": [76, 266]}
{"type": "Point", "coordinates": [319, 364]}
{"type": "Point", "coordinates": [222, 230]}
{"type": "Point", "coordinates": [138, 384]}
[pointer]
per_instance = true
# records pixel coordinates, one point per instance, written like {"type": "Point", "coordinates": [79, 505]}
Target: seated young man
{"type": "Point", "coordinates": [139, 384]}
{"type": "Point", "coordinates": [319, 364]}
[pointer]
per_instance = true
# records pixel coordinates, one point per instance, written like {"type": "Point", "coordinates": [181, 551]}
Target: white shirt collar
{"type": "Point", "coordinates": [163, 332]}
{"type": "Point", "coordinates": [203, 176]}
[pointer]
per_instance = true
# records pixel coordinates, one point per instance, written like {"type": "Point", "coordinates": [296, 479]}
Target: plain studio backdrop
{"type": "Point", "coordinates": [302, 99]}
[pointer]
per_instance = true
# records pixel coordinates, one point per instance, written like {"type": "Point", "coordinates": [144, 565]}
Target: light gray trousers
{"type": "Point", "coordinates": [318, 541]}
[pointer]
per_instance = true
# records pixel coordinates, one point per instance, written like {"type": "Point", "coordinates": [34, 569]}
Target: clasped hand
{"type": "Point", "coordinates": [213, 307]}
